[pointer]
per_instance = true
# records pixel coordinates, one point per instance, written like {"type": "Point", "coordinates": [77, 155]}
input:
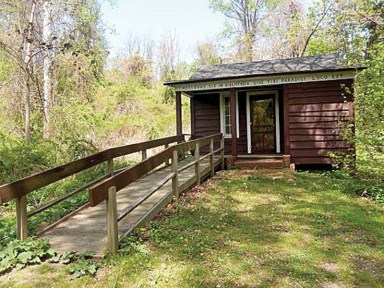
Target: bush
{"type": "Point", "coordinates": [20, 159]}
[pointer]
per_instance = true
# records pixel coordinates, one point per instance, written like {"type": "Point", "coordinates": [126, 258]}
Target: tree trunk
{"type": "Point", "coordinates": [27, 64]}
{"type": "Point", "coordinates": [27, 99]}
{"type": "Point", "coordinates": [47, 68]}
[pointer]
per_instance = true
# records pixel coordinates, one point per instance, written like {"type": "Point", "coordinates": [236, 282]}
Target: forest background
{"type": "Point", "coordinates": [62, 97]}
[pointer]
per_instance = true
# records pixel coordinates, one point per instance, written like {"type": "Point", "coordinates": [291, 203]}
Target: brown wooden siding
{"type": "Point", "coordinates": [314, 113]}
{"type": "Point", "coordinates": [206, 120]}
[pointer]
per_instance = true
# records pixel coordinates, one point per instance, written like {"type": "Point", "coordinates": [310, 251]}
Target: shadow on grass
{"type": "Point", "coordinates": [262, 232]}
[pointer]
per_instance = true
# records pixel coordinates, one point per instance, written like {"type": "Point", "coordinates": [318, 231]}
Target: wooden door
{"type": "Point", "coordinates": [263, 132]}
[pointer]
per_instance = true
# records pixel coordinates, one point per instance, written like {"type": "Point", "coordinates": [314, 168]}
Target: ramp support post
{"type": "Point", "coordinates": [197, 164]}
{"type": "Point", "coordinates": [21, 218]}
{"type": "Point", "coordinates": [113, 237]}
{"type": "Point", "coordinates": [212, 163]}
{"type": "Point", "coordinates": [175, 179]}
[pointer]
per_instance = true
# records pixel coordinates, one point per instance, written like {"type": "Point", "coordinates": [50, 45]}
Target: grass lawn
{"type": "Point", "coordinates": [259, 228]}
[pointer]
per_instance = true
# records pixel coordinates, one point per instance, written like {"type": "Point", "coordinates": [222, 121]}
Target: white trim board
{"type": "Point", "coordinates": [277, 118]}
{"type": "Point", "coordinates": [222, 115]}
{"type": "Point", "coordinates": [259, 81]}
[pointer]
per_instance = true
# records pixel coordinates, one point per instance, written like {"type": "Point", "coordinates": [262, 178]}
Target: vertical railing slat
{"type": "Point", "coordinates": [222, 152]}
{"type": "Point", "coordinates": [167, 161]}
{"type": "Point", "coordinates": [212, 163]}
{"type": "Point", "coordinates": [143, 155]}
{"type": "Point", "coordinates": [21, 218]}
{"type": "Point", "coordinates": [110, 169]}
{"type": "Point", "coordinates": [112, 227]}
{"type": "Point", "coordinates": [175, 179]}
{"type": "Point", "coordinates": [197, 163]}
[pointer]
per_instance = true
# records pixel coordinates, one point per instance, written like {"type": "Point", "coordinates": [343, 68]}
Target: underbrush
{"type": "Point", "coordinates": [365, 181]}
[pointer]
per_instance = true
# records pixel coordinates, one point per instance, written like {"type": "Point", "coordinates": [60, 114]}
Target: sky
{"type": "Point", "coordinates": [190, 20]}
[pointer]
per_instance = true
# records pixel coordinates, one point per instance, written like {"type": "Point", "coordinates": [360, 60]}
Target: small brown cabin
{"type": "Point", "coordinates": [290, 108]}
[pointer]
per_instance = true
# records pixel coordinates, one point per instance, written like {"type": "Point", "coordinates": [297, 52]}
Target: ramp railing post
{"type": "Point", "coordinates": [112, 228]}
{"type": "Point", "coordinates": [175, 179]}
{"type": "Point", "coordinates": [21, 218]}
{"type": "Point", "coordinates": [197, 163]}
{"type": "Point", "coordinates": [167, 161]}
{"type": "Point", "coordinates": [222, 152]}
{"type": "Point", "coordinates": [212, 164]}
{"type": "Point", "coordinates": [110, 167]}
{"type": "Point", "coordinates": [144, 155]}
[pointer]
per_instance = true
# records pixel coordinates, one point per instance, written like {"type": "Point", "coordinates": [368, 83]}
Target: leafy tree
{"type": "Point", "coordinates": [369, 106]}
{"type": "Point", "coordinates": [37, 35]}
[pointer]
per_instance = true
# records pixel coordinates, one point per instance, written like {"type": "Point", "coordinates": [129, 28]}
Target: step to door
{"type": "Point", "coordinates": [261, 163]}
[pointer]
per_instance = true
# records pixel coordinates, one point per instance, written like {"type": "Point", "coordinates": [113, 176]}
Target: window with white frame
{"type": "Point", "coordinates": [225, 110]}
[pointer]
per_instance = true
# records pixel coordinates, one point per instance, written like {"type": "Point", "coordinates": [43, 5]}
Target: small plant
{"type": "Point", "coordinates": [132, 243]}
{"type": "Point", "coordinates": [19, 254]}
{"type": "Point", "coordinates": [65, 258]}
{"type": "Point", "coordinates": [84, 266]}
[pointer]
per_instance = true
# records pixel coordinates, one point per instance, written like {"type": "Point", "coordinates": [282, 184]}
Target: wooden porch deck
{"type": "Point", "coordinates": [87, 230]}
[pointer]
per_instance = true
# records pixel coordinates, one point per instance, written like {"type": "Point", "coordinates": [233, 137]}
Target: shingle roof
{"type": "Point", "coordinates": [282, 66]}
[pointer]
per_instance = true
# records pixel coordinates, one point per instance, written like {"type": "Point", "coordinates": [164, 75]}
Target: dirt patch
{"type": "Point", "coordinates": [28, 275]}
{"type": "Point", "coordinates": [338, 284]}
{"type": "Point", "coordinates": [370, 266]}
{"type": "Point", "coordinates": [330, 267]}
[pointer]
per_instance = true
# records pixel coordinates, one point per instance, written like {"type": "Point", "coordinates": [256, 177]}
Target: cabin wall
{"type": "Point", "coordinates": [205, 117]}
{"type": "Point", "coordinates": [314, 114]}
{"type": "Point", "coordinates": [310, 115]}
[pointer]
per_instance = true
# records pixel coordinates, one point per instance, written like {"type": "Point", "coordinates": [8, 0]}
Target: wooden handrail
{"type": "Point", "coordinates": [99, 193]}
{"type": "Point", "coordinates": [26, 185]}
{"type": "Point", "coordinates": [65, 197]}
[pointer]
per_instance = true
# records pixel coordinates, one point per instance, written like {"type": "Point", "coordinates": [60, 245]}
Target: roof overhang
{"type": "Point", "coordinates": [261, 80]}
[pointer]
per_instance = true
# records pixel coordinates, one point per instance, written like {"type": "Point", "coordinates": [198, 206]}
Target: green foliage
{"type": "Point", "coordinates": [82, 266]}
{"type": "Point", "coordinates": [358, 183]}
{"type": "Point", "coordinates": [368, 161]}
{"type": "Point", "coordinates": [369, 103]}
{"type": "Point", "coordinates": [65, 258]}
{"type": "Point", "coordinates": [5, 68]}
{"type": "Point", "coordinates": [132, 243]}
{"type": "Point", "coordinates": [19, 158]}
{"type": "Point", "coordinates": [7, 230]}
{"type": "Point", "coordinates": [19, 254]}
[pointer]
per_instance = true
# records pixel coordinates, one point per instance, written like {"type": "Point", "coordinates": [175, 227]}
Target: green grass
{"type": "Point", "coordinates": [247, 229]}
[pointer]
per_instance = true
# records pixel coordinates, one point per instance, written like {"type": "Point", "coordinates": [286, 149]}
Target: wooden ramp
{"type": "Point", "coordinates": [87, 230]}
{"type": "Point", "coordinates": [120, 200]}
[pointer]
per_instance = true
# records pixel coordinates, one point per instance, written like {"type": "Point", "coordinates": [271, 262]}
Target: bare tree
{"type": "Point", "coordinates": [143, 46]}
{"type": "Point", "coordinates": [47, 66]}
{"type": "Point", "coordinates": [168, 52]}
{"type": "Point", "coordinates": [244, 19]}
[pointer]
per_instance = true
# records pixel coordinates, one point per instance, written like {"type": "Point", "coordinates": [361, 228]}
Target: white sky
{"type": "Point", "coordinates": [190, 20]}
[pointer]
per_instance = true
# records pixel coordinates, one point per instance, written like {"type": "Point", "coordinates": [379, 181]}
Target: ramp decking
{"type": "Point", "coordinates": [87, 230]}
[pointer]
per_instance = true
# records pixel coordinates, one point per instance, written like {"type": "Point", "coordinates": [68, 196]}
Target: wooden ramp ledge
{"type": "Point", "coordinates": [87, 230]}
